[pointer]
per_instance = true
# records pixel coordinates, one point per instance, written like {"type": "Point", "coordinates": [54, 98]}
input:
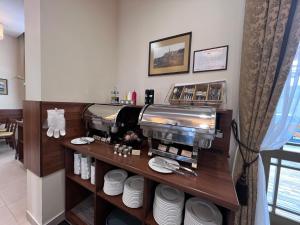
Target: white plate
{"type": "Point", "coordinates": [79, 141]}
{"type": "Point", "coordinates": [135, 184]}
{"type": "Point", "coordinates": [161, 169]}
{"type": "Point", "coordinates": [200, 212]}
{"type": "Point", "coordinates": [115, 176]}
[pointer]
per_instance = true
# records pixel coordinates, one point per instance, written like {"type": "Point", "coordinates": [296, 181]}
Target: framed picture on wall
{"type": "Point", "coordinates": [211, 59]}
{"type": "Point", "coordinates": [170, 55]}
{"type": "Point", "coordinates": [3, 87]}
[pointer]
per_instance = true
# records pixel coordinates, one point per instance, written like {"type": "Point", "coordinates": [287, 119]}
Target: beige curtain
{"type": "Point", "coordinates": [271, 37]}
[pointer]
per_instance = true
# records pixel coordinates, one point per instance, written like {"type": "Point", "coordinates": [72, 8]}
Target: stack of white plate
{"type": "Point", "coordinates": [93, 179]}
{"type": "Point", "coordinates": [114, 182]}
{"type": "Point", "coordinates": [168, 205]}
{"type": "Point", "coordinates": [77, 163]}
{"type": "Point", "coordinates": [201, 212]}
{"type": "Point", "coordinates": [133, 192]}
{"type": "Point", "coordinates": [85, 167]}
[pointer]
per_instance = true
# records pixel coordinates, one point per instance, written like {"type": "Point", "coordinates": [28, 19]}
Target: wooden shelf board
{"type": "Point", "coordinates": [214, 182]}
{"type": "Point", "coordinates": [85, 183]}
{"type": "Point", "coordinates": [150, 219]}
{"type": "Point", "coordinates": [74, 219]}
{"type": "Point", "coordinates": [117, 201]}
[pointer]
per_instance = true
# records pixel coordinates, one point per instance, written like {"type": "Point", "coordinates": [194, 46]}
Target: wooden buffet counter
{"type": "Point", "coordinates": [214, 183]}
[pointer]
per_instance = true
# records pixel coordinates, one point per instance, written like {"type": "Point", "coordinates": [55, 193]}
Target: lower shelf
{"type": "Point", "coordinates": [83, 213]}
{"type": "Point", "coordinates": [85, 183]}
{"type": "Point", "coordinates": [117, 201]}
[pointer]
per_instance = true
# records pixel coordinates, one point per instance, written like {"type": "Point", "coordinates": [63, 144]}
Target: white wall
{"type": "Point", "coordinates": [10, 69]}
{"type": "Point", "coordinates": [70, 57]}
{"type": "Point", "coordinates": [213, 23]}
{"type": "Point", "coordinates": [78, 49]}
{"type": "Point", "coordinates": [32, 50]}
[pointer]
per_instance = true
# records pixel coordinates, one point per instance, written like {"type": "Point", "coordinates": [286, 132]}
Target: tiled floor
{"type": "Point", "coordinates": [12, 189]}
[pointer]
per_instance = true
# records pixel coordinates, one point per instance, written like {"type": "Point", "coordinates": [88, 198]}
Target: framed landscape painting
{"type": "Point", "coordinates": [3, 87]}
{"type": "Point", "coordinates": [170, 55]}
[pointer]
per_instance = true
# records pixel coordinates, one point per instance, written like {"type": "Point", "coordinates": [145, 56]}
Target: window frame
{"type": "Point", "coordinates": [279, 155]}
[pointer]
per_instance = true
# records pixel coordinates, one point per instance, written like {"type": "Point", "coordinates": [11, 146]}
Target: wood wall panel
{"type": "Point", "coordinates": [32, 136]}
{"type": "Point", "coordinates": [44, 155]}
{"type": "Point", "coordinates": [222, 145]}
{"type": "Point", "coordinates": [52, 150]}
{"type": "Point", "coordinates": [10, 114]}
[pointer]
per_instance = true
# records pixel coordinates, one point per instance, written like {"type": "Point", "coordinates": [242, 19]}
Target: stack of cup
{"type": "Point", "coordinates": [93, 173]}
{"type": "Point", "coordinates": [77, 163]}
{"type": "Point", "coordinates": [85, 167]}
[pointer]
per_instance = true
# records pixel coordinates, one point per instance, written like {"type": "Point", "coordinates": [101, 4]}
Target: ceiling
{"type": "Point", "coordinates": [12, 16]}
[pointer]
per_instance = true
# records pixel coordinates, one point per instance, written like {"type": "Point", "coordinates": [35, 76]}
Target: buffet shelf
{"type": "Point", "coordinates": [117, 201]}
{"type": "Point", "coordinates": [214, 182]}
{"type": "Point", "coordinates": [84, 183]}
{"type": "Point", "coordinates": [74, 219]}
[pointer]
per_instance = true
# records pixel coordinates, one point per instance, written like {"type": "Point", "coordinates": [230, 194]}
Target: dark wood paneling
{"type": "Point", "coordinates": [32, 136]}
{"type": "Point", "coordinates": [10, 114]}
{"type": "Point", "coordinates": [52, 155]}
{"type": "Point", "coordinates": [20, 142]}
{"type": "Point", "coordinates": [222, 145]}
{"type": "Point", "coordinates": [44, 155]}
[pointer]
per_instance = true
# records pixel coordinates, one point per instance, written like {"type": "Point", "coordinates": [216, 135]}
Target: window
{"type": "Point", "coordinates": [282, 167]}
{"type": "Point", "coordinates": [283, 184]}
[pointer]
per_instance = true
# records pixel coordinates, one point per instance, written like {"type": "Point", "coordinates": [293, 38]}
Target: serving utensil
{"type": "Point", "coordinates": [164, 162]}
{"type": "Point", "coordinates": [85, 140]}
{"type": "Point", "coordinates": [170, 168]}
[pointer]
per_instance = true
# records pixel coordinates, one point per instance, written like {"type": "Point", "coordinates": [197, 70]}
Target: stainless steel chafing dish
{"type": "Point", "coordinates": [183, 125]}
{"type": "Point", "coordinates": [110, 120]}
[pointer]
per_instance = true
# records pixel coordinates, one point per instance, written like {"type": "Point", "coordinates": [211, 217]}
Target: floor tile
{"type": "Point", "coordinates": [6, 217]}
{"type": "Point", "coordinates": [18, 209]}
{"type": "Point", "coordinates": [1, 202]}
{"type": "Point", "coordinates": [24, 223]}
{"type": "Point", "coordinates": [13, 191]}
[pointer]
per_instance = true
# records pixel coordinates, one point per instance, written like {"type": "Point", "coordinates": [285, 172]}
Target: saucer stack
{"type": "Point", "coordinates": [133, 192]}
{"type": "Point", "coordinates": [114, 182]}
{"type": "Point", "coordinates": [168, 205]}
{"type": "Point", "coordinates": [201, 212]}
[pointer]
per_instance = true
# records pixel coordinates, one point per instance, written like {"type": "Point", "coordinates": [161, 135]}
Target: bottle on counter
{"type": "Point", "coordinates": [129, 96]}
{"type": "Point", "coordinates": [134, 97]}
{"type": "Point", "coordinates": [115, 96]}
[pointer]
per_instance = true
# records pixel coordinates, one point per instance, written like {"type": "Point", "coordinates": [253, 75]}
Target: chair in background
{"type": "Point", "coordinates": [10, 134]}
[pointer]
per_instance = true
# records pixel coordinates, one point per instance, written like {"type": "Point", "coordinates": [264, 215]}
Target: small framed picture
{"type": "Point", "coordinates": [3, 87]}
{"type": "Point", "coordinates": [211, 59]}
{"type": "Point", "coordinates": [170, 55]}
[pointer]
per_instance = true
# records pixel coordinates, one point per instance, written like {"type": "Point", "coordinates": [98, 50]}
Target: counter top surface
{"type": "Point", "coordinates": [214, 181]}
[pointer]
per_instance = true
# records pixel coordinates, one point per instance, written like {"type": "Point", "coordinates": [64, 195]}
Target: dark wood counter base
{"type": "Point", "coordinates": [214, 183]}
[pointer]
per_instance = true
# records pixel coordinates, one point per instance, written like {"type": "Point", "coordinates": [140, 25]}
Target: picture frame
{"type": "Point", "coordinates": [170, 55]}
{"type": "Point", "coordinates": [210, 59]}
{"type": "Point", "coordinates": [3, 87]}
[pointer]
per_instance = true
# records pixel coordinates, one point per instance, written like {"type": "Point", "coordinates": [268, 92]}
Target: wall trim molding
{"type": "Point", "coordinates": [53, 221]}
{"type": "Point", "coordinates": [57, 219]}
{"type": "Point", "coordinates": [31, 219]}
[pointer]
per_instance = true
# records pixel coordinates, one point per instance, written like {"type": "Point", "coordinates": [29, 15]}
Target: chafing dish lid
{"type": "Point", "coordinates": [185, 116]}
{"type": "Point", "coordinates": [108, 113]}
